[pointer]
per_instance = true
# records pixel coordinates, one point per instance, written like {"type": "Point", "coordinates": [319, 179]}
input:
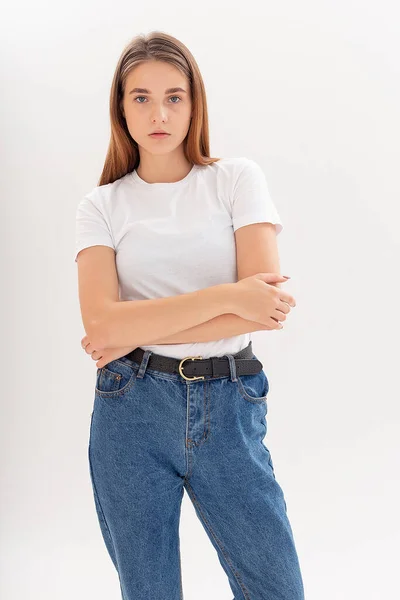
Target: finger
{"type": "Point", "coordinates": [85, 343]}
{"type": "Point", "coordinates": [276, 324]}
{"type": "Point", "coordinates": [287, 298]}
{"type": "Point", "coordinates": [101, 362]}
{"type": "Point", "coordinates": [96, 355]}
{"type": "Point", "coordinates": [281, 316]}
{"type": "Point", "coordinates": [284, 307]}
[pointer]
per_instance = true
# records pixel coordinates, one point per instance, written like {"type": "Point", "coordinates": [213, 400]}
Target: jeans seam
{"type": "Point", "coordinates": [101, 508]}
{"type": "Point", "coordinates": [219, 543]}
{"type": "Point", "coordinates": [206, 406]}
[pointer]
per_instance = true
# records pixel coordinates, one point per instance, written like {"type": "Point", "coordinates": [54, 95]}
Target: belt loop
{"type": "Point", "coordinates": [143, 364]}
{"type": "Point", "coordinates": [232, 367]}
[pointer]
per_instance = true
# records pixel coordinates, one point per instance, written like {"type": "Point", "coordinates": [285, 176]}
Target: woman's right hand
{"type": "Point", "coordinates": [258, 299]}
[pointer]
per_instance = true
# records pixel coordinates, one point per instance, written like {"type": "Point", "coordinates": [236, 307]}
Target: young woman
{"type": "Point", "coordinates": [177, 265]}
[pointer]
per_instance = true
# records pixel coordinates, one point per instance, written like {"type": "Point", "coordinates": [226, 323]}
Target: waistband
{"type": "Point", "coordinates": [193, 368]}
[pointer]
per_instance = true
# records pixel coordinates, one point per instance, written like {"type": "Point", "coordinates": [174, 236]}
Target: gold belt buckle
{"type": "Point", "coordinates": [180, 368]}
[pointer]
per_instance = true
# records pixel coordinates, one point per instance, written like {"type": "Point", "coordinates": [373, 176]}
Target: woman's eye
{"type": "Point", "coordinates": [179, 98]}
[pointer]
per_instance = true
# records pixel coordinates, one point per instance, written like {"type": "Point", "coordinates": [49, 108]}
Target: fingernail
{"type": "Point", "coordinates": [285, 276]}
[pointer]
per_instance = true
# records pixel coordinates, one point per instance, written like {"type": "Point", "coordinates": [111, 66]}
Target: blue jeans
{"type": "Point", "coordinates": [154, 433]}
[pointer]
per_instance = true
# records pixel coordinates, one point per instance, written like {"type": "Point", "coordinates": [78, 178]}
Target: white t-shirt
{"type": "Point", "coordinates": [175, 238]}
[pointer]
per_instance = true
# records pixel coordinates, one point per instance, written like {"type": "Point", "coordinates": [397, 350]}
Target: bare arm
{"type": "Point", "coordinates": [142, 322]}
{"type": "Point", "coordinates": [223, 326]}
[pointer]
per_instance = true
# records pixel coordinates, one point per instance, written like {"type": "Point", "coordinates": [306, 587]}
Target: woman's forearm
{"type": "Point", "coordinates": [222, 326]}
{"type": "Point", "coordinates": [139, 322]}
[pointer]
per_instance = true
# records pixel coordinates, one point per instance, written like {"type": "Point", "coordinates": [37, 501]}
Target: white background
{"type": "Point", "coordinates": [311, 91]}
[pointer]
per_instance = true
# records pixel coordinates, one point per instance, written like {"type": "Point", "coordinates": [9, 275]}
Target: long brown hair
{"type": "Point", "coordinates": [123, 154]}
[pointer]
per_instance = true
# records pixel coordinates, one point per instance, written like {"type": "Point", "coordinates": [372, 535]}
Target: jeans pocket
{"type": "Point", "coordinates": [253, 387]}
{"type": "Point", "coordinates": [115, 379]}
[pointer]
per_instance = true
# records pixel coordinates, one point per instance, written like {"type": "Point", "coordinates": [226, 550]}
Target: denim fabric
{"type": "Point", "coordinates": [154, 434]}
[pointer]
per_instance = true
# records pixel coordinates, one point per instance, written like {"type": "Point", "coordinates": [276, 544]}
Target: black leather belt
{"type": "Point", "coordinates": [198, 367]}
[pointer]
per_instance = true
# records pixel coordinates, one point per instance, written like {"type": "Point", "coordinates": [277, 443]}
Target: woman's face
{"type": "Point", "coordinates": [149, 103]}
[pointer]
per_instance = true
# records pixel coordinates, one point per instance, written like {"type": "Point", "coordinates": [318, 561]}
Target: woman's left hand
{"type": "Point", "coordinates": [105, 355]}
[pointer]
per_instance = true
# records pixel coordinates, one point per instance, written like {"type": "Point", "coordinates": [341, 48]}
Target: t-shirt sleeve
{"type": "Point", "coordinates": [251, 201]}
{"type": "Point", "coordinates": [91, 226]}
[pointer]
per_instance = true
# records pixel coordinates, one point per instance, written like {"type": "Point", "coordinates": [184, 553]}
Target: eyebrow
{"type": "Point", "coordinates": [168, 91]}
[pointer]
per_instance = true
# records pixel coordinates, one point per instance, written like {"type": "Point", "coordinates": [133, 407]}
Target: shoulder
{"type": "Point", "coordinates": [237, 166]}
{"type": "Point", "coordinates": [238, 171]}
{"type": "Point", "coordinates": [103, 197]}
{"type": "Point", "coordinates": [234, 163]}
{"type": "Point", "coordinates": [232, 167]}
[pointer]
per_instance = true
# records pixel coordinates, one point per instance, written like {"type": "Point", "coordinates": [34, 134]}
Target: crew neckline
{"type": "Point", "coordinates": [165, 184]}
